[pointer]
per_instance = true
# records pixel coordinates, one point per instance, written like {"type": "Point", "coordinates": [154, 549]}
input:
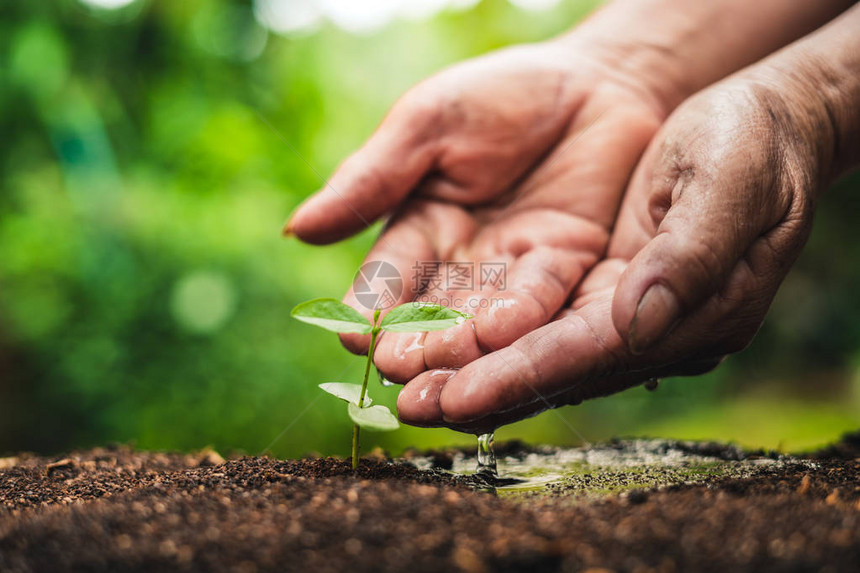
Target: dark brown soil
{"type": "Point", "coordinates": [120, 510]}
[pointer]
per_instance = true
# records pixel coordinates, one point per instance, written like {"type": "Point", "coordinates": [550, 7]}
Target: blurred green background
{"type": "Point", "coordinates": [144, 289]}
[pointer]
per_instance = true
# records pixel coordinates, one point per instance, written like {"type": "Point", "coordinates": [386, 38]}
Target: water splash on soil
{"type": "Point", "coordinates": [621, 465]}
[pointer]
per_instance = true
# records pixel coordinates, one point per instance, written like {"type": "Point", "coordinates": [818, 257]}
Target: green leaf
{"type": "Point", "coordinates": [332, 315]}
{"type": "Point", "coordinates": [373, 418]}
{"type": "Point", "coordinates": [347, 392]}
{"type": "Point", "coordinates": [419, 317]}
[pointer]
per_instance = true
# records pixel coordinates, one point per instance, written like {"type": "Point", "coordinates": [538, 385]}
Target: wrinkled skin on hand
{"type": "Point", "coordinates": [716, 213]}
{"type": "Point", "coordinates": [519, 157]}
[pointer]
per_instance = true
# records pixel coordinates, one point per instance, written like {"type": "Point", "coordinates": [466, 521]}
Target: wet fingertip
{"type": "Point", "coordinates": [501, 325]}
{"type": "Point", "coordinates": [355, 343]}
{"type": "Point", "coordinates": [400, 356]}
{"type": "Point", "coordinates": [418, 401]}
{"type": "Point", "coordinates": [452, 348]}
{"type": "Point", "coordinates": [457, 401]}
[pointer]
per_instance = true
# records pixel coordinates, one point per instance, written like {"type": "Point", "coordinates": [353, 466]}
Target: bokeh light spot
{"type": "Point", "coordinates": [535, 4]}
{"type": "Point", "coordinates": [288, 16]}
{"type": "Point", "coordinates": [203, 301]}
{"type": "Point", "coordinates": [107, 4]}
{"type": "Point", "coordinates": [365, 17]}
{"type": "Point", "coordinates": [229, 32]}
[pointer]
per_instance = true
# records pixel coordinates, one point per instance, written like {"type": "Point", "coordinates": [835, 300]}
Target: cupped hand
{"type": "Point", "coordinates": [521, 158]}
{"type": "Point", "coordinates": [714, 217]}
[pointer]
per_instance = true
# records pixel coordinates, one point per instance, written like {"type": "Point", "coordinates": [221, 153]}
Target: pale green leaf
{"type": "Point", "coordinates": [332, 315]}
{"type": "Point", "coordinates": [347, 392]}
{"type": "Point", "coordinates": [373, 418]}
{"type": "Point", "coordinates": [419, 317]}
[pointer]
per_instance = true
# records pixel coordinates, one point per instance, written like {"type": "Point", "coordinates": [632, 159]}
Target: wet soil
{"type": "Point", "coordinates": [121, 510]}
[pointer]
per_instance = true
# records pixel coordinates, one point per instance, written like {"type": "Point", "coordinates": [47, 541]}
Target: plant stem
{"type": "Point", "coordinates": [356, 430]}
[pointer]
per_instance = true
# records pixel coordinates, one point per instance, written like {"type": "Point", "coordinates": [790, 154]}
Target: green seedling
{"type": "Point", "coordinates": [336, 316]}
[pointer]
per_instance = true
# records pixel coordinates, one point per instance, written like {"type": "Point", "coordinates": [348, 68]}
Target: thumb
{"type": "Point", "coordinates": [708, 226]}
{"type": "Point", "coordinates": [373, 180]}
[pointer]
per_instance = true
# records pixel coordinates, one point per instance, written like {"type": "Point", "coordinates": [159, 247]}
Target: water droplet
{"type": "Point", "coordinates": [417, 342]}
{"type": "Point", "coordinates": [487, 469]}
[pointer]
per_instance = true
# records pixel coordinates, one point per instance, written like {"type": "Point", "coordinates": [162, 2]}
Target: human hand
{"type": "Point", "coordinates": [716, 214]}
{"type": "Point", "coordinates": [520, 157]}
{"type": "Point", "coordinates": [473, 160]}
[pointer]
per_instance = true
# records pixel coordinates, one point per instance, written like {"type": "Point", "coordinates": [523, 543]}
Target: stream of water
{"type": "Point", "coordinates": [487, 469]}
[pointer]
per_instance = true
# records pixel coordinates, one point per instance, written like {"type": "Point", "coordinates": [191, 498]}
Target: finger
{"type": "Point", "coordinates": [708, 225]}
{"type": "Point", "coordinates": [400, 356]}
{"type": "Point", "coordinates": [581, 355]}
{"type": "Point", "coordinates": [599, 281]}
{"type": "Point", "coordinates": [418, 401]}
{"type": "Point", "coordinates": [526, 296]}
{"type": "Point", "coordinates": [445, 189]}
{"type": "Point", "coordinates": [578, 357]}
{"type": "Point", "coordinates": [373, 180]}
{"type": "Point", "coordinates": [456, 346]}
{"type": "Point", "coordinates": [536, 286]}
{"type": "Point", "coordinates": [539, 282]}
{"type": "Point", "coordinates": [570, 351]}
{"type": "Point", "coordinates": [553, 251]}
{"type": "Point", "coordinates": [573, 397]}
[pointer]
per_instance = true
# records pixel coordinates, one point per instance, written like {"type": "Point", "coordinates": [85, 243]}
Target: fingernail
{"type": "Point", "coordinates": [656, 315]}
{"type": "Point", "coordinates": [287, 231]}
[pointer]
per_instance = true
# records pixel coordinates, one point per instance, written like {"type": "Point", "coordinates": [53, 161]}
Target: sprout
{"type": "Point", "coordinates": [336, 316]}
